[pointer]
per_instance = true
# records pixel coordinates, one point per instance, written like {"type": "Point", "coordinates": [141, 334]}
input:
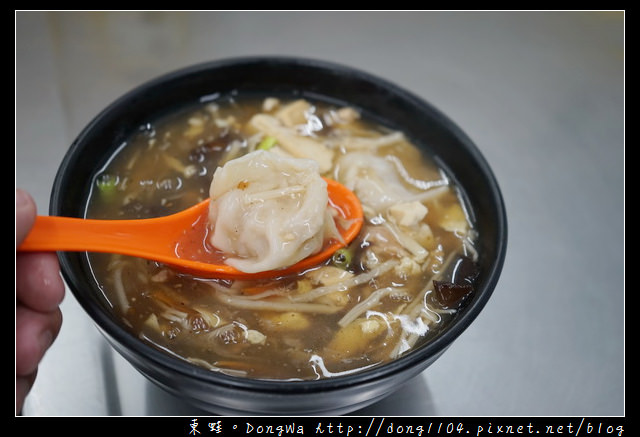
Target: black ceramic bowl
{"type": "Point", "coordinates": [377, 99]}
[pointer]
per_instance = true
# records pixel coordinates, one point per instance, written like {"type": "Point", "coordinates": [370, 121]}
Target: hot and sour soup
{"type": "Point", "coordinates": [402, 280]}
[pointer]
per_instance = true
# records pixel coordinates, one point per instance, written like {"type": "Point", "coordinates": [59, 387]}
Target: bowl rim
{"type": "Point", "coordinates": [413, 359]}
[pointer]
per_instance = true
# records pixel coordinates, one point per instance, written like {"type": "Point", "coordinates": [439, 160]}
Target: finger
{"type": "Point", "coordinates": [23, 387]}
{"type": "Point", "coordinates": [39, 285]}
{"type": "Point", "coordinates": [25, 215]}
{"type": "Point", "coordinates": [34, 334]}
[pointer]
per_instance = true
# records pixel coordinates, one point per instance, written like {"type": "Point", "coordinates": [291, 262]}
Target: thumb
{"type": "Point", "coordinates": [25, 215]}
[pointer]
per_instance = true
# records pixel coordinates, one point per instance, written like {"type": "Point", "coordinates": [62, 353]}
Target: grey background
{"type": "Point", "coordinates": [542, 95]}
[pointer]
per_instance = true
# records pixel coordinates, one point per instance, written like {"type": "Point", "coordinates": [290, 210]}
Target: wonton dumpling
{"type": "Point", "coordinates": [267, 211]}
{"type": "Point", "coordinates": [374, 179]}
{"type": "Point", "coordinates": [379, 183]}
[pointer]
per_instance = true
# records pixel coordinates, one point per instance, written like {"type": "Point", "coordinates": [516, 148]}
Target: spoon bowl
{"type": "Point", "coordinates": [169, 239]}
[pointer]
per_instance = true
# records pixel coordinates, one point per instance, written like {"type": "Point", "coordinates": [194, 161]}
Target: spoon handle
{"type": "Point", "coordinates": [51, 233]}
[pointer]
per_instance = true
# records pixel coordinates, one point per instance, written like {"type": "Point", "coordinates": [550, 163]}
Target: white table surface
{"type": "Point", "coordinates": [542, 95]}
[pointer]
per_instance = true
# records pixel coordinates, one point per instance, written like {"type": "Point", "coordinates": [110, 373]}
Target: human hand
{"type": "Point", "coordinates": [39, 292]}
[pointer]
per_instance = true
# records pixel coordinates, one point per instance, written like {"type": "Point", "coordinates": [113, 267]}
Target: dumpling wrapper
{"type": "Point", "coordinates": [267, 211]}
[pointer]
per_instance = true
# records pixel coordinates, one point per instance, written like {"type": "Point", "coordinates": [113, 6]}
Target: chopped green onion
{"type": "Point", "coordinates": [107, 184]}
{"type": "Point", "coordinates": [267, 143]}
{"type": "Point", "coordinates": [342, 258]}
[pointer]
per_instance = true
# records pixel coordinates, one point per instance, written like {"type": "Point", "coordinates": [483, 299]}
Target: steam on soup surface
{"type": "Point", "coordinates": [396, 286]}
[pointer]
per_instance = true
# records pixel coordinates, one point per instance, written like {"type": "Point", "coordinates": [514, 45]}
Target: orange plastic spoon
{"type": "Point", "coordinates": [164, 239]}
